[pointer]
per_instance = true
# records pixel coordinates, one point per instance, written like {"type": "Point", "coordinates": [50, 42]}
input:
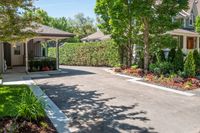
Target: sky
{"type": "Point", "coordinates": [67, 8]}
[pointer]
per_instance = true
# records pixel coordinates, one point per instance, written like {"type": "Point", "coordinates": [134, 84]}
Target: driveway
{"type": "Point", "coordinates": [96, 101]}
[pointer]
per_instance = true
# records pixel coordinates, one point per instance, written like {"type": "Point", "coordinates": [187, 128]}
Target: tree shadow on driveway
{"type": "Point", "coordinates": [89, 113]}
{"type": "Point", "coordinates": [65, 72]}
{"type": "Point", "coordinates": [75, 72]}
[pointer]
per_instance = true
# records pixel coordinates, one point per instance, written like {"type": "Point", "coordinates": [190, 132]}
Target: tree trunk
{"type": "Point", "coordinates": [129, 34]}
{"type": "Point", "coordinates": [121, 51]}
{"type": "Point", "coordinates": [127, 56]}
{"type": "Point", "coordinates": [130, 55]}
{"type": "Point", "coordinates": [146, 45]}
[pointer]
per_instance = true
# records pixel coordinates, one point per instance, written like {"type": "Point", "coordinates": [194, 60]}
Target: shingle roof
{"type": "Point", "coordinates": [44, 30]}
{"type": "Point", "coordinates": [191, 3]}
{"type": "Point", "coordinates": [185, 13]}
{"type": "Point", "coordinates": [96, 36]}
{"type": "Point", "coordinates": [198, 6]}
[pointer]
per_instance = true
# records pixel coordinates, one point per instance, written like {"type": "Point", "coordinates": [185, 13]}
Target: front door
{"type": "Point", "coordinates": [190, 43]}
{"type": "Point", "coordinates": [7, 54]}
{"type": "Point", "coordinates": [18, 54]}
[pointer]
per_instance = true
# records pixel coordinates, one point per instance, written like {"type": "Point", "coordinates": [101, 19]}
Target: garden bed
{"type": "Point", "coordinates": [173, 71]}
{"type": "Point", "coordinates": [171, 81]}
{"type": "Point", "coordinates": [21, 111]}
{"type": "Point", "coordinates": [24, 126]}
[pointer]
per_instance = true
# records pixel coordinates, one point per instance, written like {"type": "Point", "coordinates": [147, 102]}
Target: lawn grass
{"type": "Point", "coordinates": [10, 97]}
{"type": "Point", "coordinates": [21, 111]}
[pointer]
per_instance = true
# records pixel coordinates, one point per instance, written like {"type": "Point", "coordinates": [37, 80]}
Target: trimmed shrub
{"type": "Point", "coordinates": [171, 55]}
{"type": "Point", "coordinates": [154, 68]}
{"type": "Point", "coordinates": [196, 60]}
{"type": "Point", "coordinates": [45, 64]}
{"type": "Point", "coordinates": [189, 66]}
{"type": "Point", "coordinates": [134, 66]}
{"type": "Point", "coordinates": [161, 68]}
{"type": "Point", "coordinates": [104, 53]}
{"type": "Point", "coordinates": [178, 61]}
{"type": "Point", "coordinates": [165, 67]}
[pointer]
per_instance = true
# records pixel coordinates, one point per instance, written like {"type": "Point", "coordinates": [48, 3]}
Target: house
{"type": "Point", "coordinates": [188, 38]}
{"type": "Point", "coordinates": [95, 37]}
{"type": "Point", "coordinates": [19, 54]}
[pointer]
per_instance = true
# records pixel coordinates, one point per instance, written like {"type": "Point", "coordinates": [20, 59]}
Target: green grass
{"type": "Point", "coordinates": [18, 100]}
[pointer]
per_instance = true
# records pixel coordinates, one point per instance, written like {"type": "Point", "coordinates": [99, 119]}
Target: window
{"type": "Point", "coordinates": [191, 19]}
{"type": "Point", "coordinates": [17, 50]}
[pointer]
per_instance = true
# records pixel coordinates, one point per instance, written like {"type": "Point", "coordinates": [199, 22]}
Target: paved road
{"type": "Point", "coordinates": [99, 102]}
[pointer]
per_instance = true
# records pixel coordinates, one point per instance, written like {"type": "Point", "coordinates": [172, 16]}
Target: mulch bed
{"type": "Point", "coordinates": [175, 83]}
{"type": "Point", "coordinates": [24, 126]}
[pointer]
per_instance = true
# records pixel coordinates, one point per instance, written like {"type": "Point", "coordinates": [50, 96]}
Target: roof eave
{"type": "Point", "coordinates": [55, 35]}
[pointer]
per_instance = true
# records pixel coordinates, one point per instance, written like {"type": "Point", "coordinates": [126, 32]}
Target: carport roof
{"type": "Point", "coordinates": [47, 31]}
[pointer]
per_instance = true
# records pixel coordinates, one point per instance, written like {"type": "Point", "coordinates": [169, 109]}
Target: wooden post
{"type": "Point", "coordinates": [26, 58]}
{"type": "Point", "coordinates": [57, 55]}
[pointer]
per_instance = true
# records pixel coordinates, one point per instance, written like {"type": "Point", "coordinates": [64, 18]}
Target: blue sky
{"type": "Point", "coordinates": [67, 8]}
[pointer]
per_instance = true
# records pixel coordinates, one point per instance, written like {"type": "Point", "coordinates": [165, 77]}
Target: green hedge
{"type": "Point", "coordinates": [104, 53]}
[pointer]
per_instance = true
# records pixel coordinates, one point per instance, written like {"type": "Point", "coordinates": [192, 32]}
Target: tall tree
{"type": "Point", "coordinates": [82, 25]}
{"type": "Point", "coordinates": [14, 19]}
{"type": "Point", "coordinates": [198, 24]}
{"type": "Point", "coordinates": [116, 18]}
{"type": "Point", "coordinates": [62, 24]}
{"type": "Point", "coordinates": [79, 25]}
{"type": "Point", "coordinates": [154, 18]}
{"type": "Point", "coordinates": [42, 16]}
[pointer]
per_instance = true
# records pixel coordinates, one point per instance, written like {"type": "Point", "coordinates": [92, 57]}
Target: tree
{"type": "Point", "coordinates": [116, 18]}
{"type": "Point", "coordinates": [198, 24]}
{"type": "Point", "coordinates": [189, 66]}
{"type": "Point", "coordinates": [59, 23]}
{"type": "Point", "coordinates": [81, 25]}
{"type": "Point", "coordinates": [14, 19]}
{"type": "Point", "coordinates": [196, 59]}
{"type": "Point", "coordinates": [62, 24]}
{"type": "Point", "coordinates": [155, 18]}
{"type": "Point", "coordinates": [121, 17]}
{"type": "Point", "coordinates": [43, 17]}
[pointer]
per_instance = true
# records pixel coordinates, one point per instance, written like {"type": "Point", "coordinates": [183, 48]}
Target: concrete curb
{"type": "Point", "coordinates": [57, 117]}
{"type": "Point", "coordinates": [163, 88]}
{"type": "Point", "coordinates": [137, 80]}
